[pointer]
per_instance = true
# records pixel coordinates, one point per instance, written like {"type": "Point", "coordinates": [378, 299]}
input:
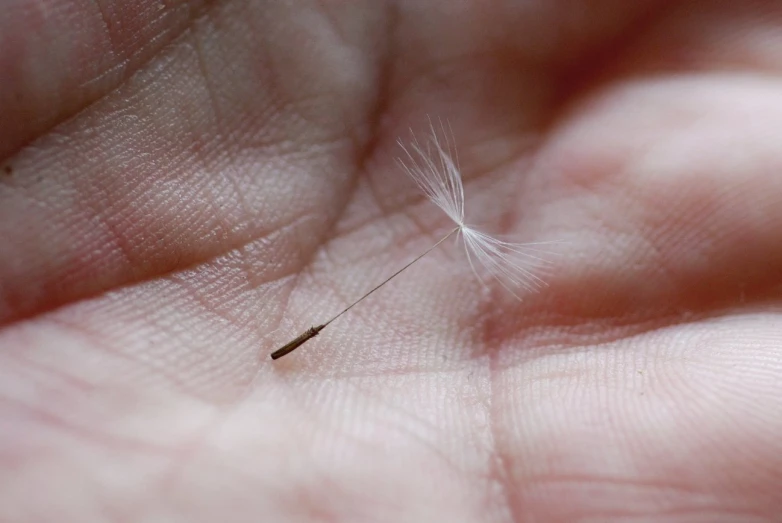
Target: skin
{"type": "Point", "coordinates": [185, 186]}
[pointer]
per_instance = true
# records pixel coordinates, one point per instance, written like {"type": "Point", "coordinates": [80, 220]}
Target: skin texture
{"type": "Point", "coordinates": [185, 186]}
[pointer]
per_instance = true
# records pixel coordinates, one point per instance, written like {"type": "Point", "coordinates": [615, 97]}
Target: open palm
{"type": "Point", "coordinates": [186, 185]}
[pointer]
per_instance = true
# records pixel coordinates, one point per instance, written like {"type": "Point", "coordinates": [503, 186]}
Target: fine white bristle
{"type": "Point", "coordinates": [435, 170]}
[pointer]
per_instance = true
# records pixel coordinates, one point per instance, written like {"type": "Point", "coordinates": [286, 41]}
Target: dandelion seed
{"type": "Point", "coordinates": [435, 170]}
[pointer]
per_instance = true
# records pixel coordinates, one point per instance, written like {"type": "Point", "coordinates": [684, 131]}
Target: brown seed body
{"type": "Point", "coordinates": [297, 342]}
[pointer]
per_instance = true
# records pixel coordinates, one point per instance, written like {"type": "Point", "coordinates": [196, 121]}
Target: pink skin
{"type": "Point", "coordinates": [186, 186]}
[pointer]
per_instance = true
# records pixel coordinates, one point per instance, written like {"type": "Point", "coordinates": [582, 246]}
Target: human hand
{"type": "Point", "coordinates": [186, 185]}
